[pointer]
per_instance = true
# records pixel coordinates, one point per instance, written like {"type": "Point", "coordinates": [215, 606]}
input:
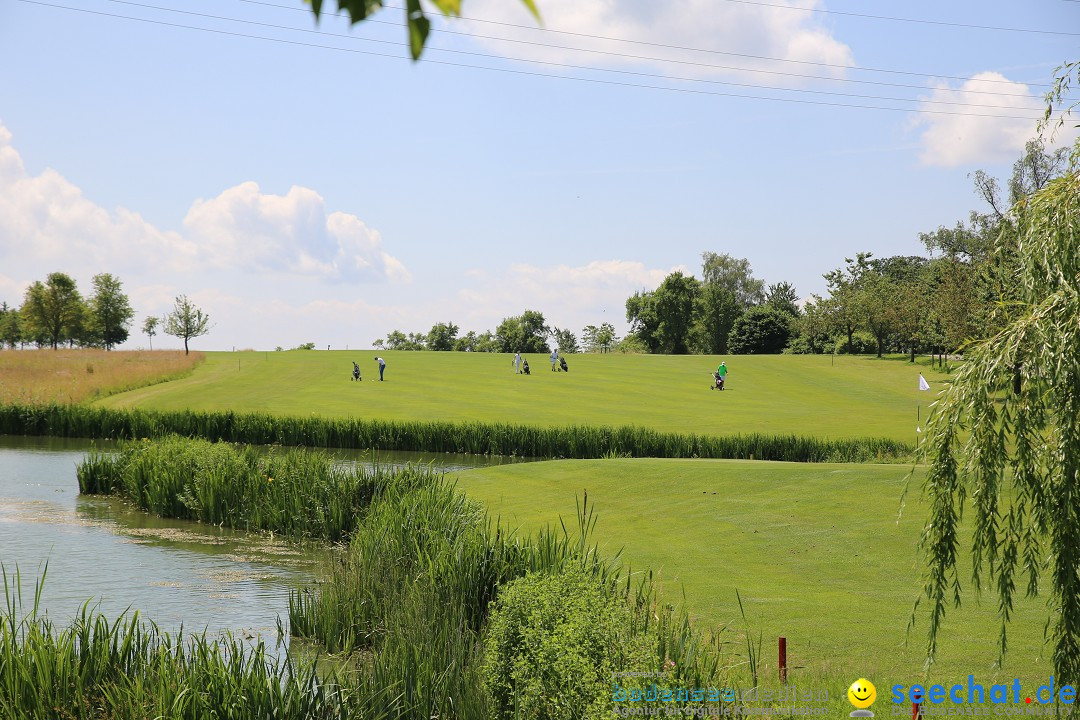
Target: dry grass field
{"type": "Point", "coordinates": [74, 376]}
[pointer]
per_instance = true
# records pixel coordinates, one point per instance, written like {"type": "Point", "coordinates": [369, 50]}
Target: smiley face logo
{"type": "Point", "coordinates": [862, 693]}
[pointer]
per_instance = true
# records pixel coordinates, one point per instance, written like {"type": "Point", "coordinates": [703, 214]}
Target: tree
{"type": "Point", "coordinates": [844, 286]}
{"type": "Point", "coordinates": [466, 343]}
{"type": "Point", "coordinates": [565, 341]}
{"type": "Point", "coordinates": [186, 321]}
{"type": "Point", "coordinates": [733, 274]}
{"type": "Point", "coordinates": [53, 310]}
{"type": "Point", "coordinates": [10, 330]}
{"type": "Point", "coordinates": [486, 342]}
{"type": "Point", "coordinates": [396, 340]}
{"type": "Point", "coordinates": [523, 333]}
{"type": "Point", "coordinates": [378, 344]}
{"type": "Point", "coordinates": [985, 429]}
{"type": "Point", "coordinates": [599, 339]}
{"type": "Point", "coordinates": [760, 330]}
{"type": "Point", "coordinates": [416, 20]}
{"type": "Point", "coordinates": [644, 322]}
{"type": "Point", "coordinates": [149, 328]}
{"type": "Point", "coordinates": [784, 298]}
{"type": "Point", "coordinates": [715, 312]}
{"type": "Point", "coordinates": [110, 311]}
{"type": "Point", "coordinates": [663, 318]}
{"type": "Point", "coordinates": [442, 336]}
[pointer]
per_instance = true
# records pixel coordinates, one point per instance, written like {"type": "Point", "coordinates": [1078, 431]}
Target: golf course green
{"type": "Point", "coordinates": [810, 395]}
{"type": "Point", "coordinates": [818, 553]}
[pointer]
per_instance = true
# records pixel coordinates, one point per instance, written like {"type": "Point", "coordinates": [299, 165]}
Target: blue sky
{"type": "Point", "coordinates": [300, 193]}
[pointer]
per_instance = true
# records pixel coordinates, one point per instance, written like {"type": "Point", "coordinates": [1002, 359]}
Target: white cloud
{"type": "Point", "coordinates": [791, 33]}
{"type": "Point", "coordinates": [46, 223]}
{"type": "Point", "coordinates": [952, 140]}
{"type": "Point", "coordinates": [243, 228]}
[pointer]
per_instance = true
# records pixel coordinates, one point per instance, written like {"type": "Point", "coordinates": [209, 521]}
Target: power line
{"type": "Point", "coordinates": [909, 20]}
{"type": "Point", "coordinates": [574, 67]}
{"type": "Point", "coordinates": [525, 72]}
{"type": "Point", "coordinates": [647, 43]}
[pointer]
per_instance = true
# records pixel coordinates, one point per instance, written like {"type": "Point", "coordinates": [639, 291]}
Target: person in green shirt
{"type": "Point", "coordinates": [721, 375]}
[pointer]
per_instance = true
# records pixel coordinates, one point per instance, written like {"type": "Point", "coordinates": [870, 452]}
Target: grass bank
{"type": "Point", "coordinates": [75, 376]}
{"type": "Point", "coordinates": [817, 553]}
{"type": "Point", "coordinates": [435, 436]}
{"type": "Point", "coordinates": [818, 396]}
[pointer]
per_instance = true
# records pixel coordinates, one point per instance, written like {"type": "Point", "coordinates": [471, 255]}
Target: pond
{"type": "Point", "coordinates": [174, 572]}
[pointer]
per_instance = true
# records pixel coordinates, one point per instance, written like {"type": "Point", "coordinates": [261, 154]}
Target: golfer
{"type": "Point", "coordinates": [517, 364]}
{"type": "Point", "coordinates": [554, 358]}
{"type": "Point", "coordinates": [721, 370]}
{"type": "Point", "coordinates": [382, 366]}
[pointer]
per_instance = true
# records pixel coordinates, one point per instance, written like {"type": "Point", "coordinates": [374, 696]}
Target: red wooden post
{"type": "Point", "coordinates": [916, 708]}
{"type": "Point", "coordinates": [782, 663]}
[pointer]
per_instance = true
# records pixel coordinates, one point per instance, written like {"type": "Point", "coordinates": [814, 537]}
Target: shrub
{"type": "Point", "coordinates": [552, 644]}
{"type": "Point", "coordinates": [761, 330]}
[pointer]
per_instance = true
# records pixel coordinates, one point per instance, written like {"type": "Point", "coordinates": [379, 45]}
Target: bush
{"type": "Point", "coordinates": [761, 330]}
{"type": "Point", "coordinates": [862, 343]}
{"type": "Point", "coordinates": [553, 642]}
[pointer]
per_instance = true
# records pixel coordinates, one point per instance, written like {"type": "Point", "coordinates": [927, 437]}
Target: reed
{"type": "Point", "coordinates": [299, 494]}
{"type": "Point", "coordinates": [435, 436]}
{"type": "Point", "coordinates": [422, 573]}
{"type": "Point", "coordinates": [127, 668]}
{"type": "Point", "coordinates": [75, 376]}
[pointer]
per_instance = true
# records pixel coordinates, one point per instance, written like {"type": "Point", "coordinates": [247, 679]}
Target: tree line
{"type": "Point", "coordinates": [527, 333]}
{"type": "Point", "coordinates": [55, 314]}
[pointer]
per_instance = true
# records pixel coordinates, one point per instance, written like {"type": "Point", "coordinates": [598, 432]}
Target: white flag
{"type": "Point", "coordinates": [923, 385]}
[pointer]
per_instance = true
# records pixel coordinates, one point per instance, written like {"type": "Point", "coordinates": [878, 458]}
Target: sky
{"type": "Point", "coordinates": [305, 181]}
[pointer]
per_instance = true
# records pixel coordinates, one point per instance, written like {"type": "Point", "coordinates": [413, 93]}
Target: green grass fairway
{"type": "Point", "coordinates": [801, 395]}
{"type": "Point", "coordinates": [815, 551]}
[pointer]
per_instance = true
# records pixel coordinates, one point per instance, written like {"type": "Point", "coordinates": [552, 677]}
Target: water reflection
{"type": "Point", "coordinates": [175, 572]}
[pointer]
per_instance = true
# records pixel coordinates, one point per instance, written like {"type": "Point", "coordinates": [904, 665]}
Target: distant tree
{"type": "Point", "coordinates": [52, 310]}
{"type": "Point", "coordinates": [305, 346]}
{"type": "Point", "coordinates": [10, 330]}
{"type": "Point", "coordinates": [416, 341]}
{"type": "Point", "coordinates": [378, 344]}
{"type": "Point", "coordinates": [442, 336]}
{"type": "Point", "coordinates": [186, 321]}
{"type": "Point", "coordinates": [487, 342]}
{"type": "Point", "coordinates": [843, 307]}
{"type": "Point", "coordinates": [149, 328]}
{"type": "Point", "coordinates": [396, 340]}
{"type": "Point", "coordinates": [599, 339]}
{"type": "Point", "coordinates": [715, 313]}
{"type": "Point", "coordinates": [523, 333]}
{"type": "Point", "coordinates": [466, 343]}
{"type": "Point", "coordinates": [812, 327]}
{"type": "Point", "coordinates": [565, 341]}
{"type": "Point", "coordinates": [110, 311]}
{"type": "Point", "coordinates": [663, 318]}
{"type": "Point", "coordinates": [644, 320]}
{"type": "Point", "coordinates": [734, 275]}
{"type": "Point", "coordinates": [784, 298]}
{"type": "Point", "coordinates": [761, 330]}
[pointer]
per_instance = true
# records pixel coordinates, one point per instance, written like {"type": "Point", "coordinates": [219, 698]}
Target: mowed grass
{"type": "Point", "coordinates": [73, 376]}
{"type": "Point", "coordinates": [803, 395]}
{"type": "Point", "coordinates": [815, 551]}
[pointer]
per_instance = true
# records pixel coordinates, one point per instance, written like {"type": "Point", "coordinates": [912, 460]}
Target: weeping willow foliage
{"type": "Point", "coordinates": [1004, 440]}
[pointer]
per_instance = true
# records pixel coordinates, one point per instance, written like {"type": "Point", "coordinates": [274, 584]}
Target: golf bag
{"type": "Point", "coordinates": [525, 367]}
{"type": "Point", "coordinates": [562, 364]}
{"type": "Point", "coordinates": [718, 382]}
{"type": "Point", "coordinates": [355, 371]}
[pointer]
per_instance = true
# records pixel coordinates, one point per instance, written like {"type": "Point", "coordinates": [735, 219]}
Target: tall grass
{"type": "Point", "coordinates": [434, 436]}
{"type": "Point", "coordinates": [292, 492]}
{"type": "Point", "coordinates": [126, 668]}
{"type": "Point", "coordinates": [73, 376]}
{"type": "Point", "coordinates": [414, 592]}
